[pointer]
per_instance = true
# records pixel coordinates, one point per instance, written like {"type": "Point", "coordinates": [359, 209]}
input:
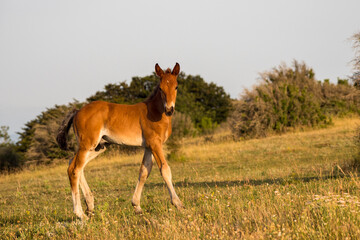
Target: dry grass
{"type": "Point", "coordinates": [285, 187]}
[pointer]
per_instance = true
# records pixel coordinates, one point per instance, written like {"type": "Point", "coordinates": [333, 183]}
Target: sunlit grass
{"type": "Point", "coordinates": [288, 186]}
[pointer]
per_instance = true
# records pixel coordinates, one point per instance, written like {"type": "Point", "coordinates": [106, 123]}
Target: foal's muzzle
{"type": "Point", "coordinates": [169, 111]}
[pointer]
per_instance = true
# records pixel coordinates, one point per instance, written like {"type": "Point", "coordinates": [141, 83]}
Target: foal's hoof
{"type": "Point", "coordinates": [178, 204]}
{"type": "Point", "coordinates": [89, 213]}
{"type": "Point", "coordinates": [138, 210]}
{"type": "Point", "coordinates": [83, 217]}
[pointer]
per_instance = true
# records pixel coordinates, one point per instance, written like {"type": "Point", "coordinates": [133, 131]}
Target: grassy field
{"type": "Point", "coordinates": [283, 187]}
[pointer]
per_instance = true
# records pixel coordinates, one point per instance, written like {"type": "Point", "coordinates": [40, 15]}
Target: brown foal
{"type": "Point", "coordinates": [146, 124]}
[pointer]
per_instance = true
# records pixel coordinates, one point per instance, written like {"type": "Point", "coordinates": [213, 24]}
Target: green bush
{"type": "Point", "coordinates": [356, 61]}
{"type": "Point", "coordinates": [38, 139]}
{"type": "Point", "coordinates": [182, 126]}
{"type": "Point", "coordinates": [285, 98]}
{"type": "Point", "coordinates": [356, 162]}
{"type": "Point", "coordinates": [289, 97]}
{"type": "Point", "coordinates": [340, 99]}
{"type": "Point", "coordinates": [10, 159]}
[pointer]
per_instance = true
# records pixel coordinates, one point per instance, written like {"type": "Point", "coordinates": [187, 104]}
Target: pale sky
{"type": "Point", "coordinates": [54, 51]}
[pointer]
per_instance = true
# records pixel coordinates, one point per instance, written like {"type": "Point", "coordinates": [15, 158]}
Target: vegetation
{"type": "Point", "coordinates": [182, 127]}
{"type": "Point", "coordinates": [339, 99]}
{"type": "Point", "coordinates": [356, 62]}
{"type": "Point", "coordinates": [38, 139]}
{"type": "Point", "coordinates": [290, 186]}
{"type": "Point", "coordinates": [289, 97]}
{"type": "Point", "coordinates": [356, 163]}
{"type": "Point", "coordinates": [10, 159]}
{"type": "Point", "coordinates": [297, 185]}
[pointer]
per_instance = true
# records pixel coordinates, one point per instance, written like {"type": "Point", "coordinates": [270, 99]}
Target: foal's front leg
{"type": "Point", "coordinates": [145, 170]}
{"type": "Point", "coordinates": [166, 174]}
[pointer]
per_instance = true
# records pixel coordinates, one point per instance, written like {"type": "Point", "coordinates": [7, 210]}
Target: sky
{"type": "Point", "coordinates": [52, 52]}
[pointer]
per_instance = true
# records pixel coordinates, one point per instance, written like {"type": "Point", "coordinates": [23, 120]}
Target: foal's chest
{"type": "Point", "coordinates": [167, 132]}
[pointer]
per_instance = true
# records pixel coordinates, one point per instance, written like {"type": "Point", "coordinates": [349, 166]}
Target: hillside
{"type": "Point", "coordinates": [287, 186]}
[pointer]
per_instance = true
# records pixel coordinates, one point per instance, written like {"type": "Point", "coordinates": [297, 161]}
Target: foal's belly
{"type": "Point", "coordinates": [134, 138]}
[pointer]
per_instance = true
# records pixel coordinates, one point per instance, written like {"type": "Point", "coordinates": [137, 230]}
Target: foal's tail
{"type": "Point", "coordinates": [63, 131]}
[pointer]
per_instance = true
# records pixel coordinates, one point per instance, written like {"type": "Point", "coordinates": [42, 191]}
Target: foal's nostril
{"type": "Point", "coordinates": [169, 111]}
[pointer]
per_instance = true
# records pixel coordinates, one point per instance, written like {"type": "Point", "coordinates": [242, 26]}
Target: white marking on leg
{"type": "Point", "coordinates": [145, 170]}
{"type": "Point", "coordinates": [77, 203]}
{"type": "Point", "coordinates": [89, 198]}
{"type": "Point", "coordinates": [166, 174]}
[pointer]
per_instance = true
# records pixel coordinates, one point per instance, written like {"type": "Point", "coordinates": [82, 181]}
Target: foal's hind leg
{"type": "Point", "coordinates": [74, 171]}
{"type": "Point", "coordinates": [145, 170]}
{"type": "Point", "coordinates": [89, 197]}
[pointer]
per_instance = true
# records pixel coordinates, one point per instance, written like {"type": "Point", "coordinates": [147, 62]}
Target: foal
{"type": "Point", "coordinates": [146, 124]}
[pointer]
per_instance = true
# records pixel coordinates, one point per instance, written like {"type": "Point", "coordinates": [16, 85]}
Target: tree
{"type": "Point", "coordinates": [4, 136]}
{"type": "Point", "coordinates": [202, 101]}
{"type": "Point", "coordinates": [38, 140]}
{"type": "Point", "coordinates": [10, 159]}
{"type": "Point", "coordinates": [138, 90]}
{"type": "Point", "coordinates": [356, 61]}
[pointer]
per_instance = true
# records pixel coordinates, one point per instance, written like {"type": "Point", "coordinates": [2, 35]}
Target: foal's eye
{"type": "Point", "coordinates": [176, 87]}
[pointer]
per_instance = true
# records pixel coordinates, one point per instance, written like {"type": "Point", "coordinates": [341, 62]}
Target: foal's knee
{"type": "Point", "coordinates": [165, 171]}
{"type": "Point", "coordinates": [70, 171]}
{"type": "Point", "coordinates": [74, 175]}
{"type": "Point", "coordinates": [144, 173]}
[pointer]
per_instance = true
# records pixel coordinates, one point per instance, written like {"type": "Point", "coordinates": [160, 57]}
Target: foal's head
{"type": "Point", "coordinates": [168, 87]}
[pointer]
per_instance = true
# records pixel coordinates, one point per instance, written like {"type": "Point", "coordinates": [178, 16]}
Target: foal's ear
{"type": "Point", "coordinates": [176, 69]}
{"type": "Point", "coordinates": [159, 72]}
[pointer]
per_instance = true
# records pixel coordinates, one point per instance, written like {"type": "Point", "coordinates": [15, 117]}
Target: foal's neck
{"type": "Point", "coordinates": [155, 107]}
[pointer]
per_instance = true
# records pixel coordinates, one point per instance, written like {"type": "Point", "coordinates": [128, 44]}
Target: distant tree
{"type": "Point", "coordinates": [356, 61]}
{"type": "Point", "coordinates": [206, 103]}
{"type": "Point", "coordinates": [4, 136]}
{"type": "Point", "coordinates": [37, 141]}
{"type": "Point", "coordinates": [138, 90]}
{"type": "Point", "coordinates": [10, 158]}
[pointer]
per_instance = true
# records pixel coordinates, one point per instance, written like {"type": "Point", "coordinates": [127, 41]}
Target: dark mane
{"type": "Point", "coordinates": [153, 94]}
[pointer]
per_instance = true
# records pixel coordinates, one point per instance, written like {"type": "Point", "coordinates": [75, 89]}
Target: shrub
{"type": "Point", "coordinates": [182, 126]}
{"type": "Point", "coordinates": [340, 99]}
{"type": "Point", "coordinates": [356, 162]}
{"type": "Point", "coordinates": [356, 61]}
{"type": "Point", "coordinates": [38, 140]}
{"type": "Point", "coordinates": [10, 159]}
{"type": "Point", "coordinates": [285, 98]}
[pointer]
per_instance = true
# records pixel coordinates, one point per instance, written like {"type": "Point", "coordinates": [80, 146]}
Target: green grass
{"type": "Point", "coordinates": [283, 187]}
